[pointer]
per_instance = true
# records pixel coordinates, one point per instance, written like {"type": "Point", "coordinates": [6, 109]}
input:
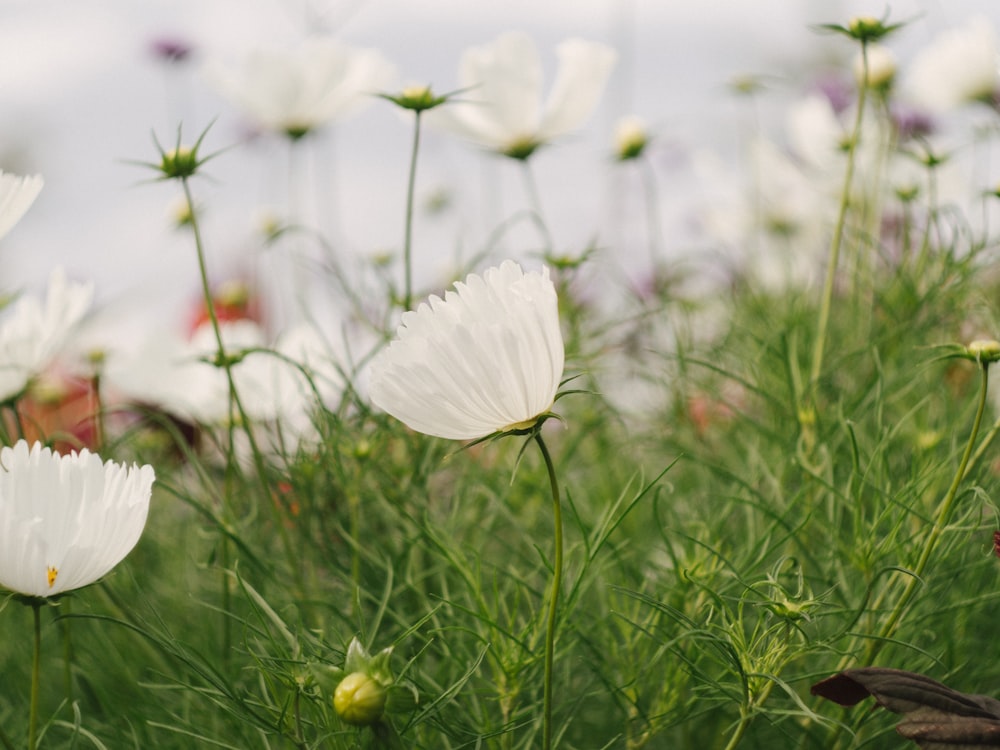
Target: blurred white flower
{"type": "Point", "coordinates": [16, 196]}
{"type": "Point", "coordinates": [281, 385]}
{"type": "Point", "coordinates": [958, 67]}
{"type": "Point", "coordinates": [65, 521]}
{"type": "Point", "coordinates": [33, 332]}
{"type": "Point", "coordinates": [296, 91]}
{"type": "Point", "coordinates": [488, 358]}
{"type": "Point", "coordinates": [502, 107]}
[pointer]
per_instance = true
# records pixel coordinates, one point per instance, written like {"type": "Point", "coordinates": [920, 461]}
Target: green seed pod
{"type": "Point", "coordinates": [359, 699]}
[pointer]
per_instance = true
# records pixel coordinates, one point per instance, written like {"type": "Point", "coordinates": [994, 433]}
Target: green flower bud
{"type": "Point", "coordinates": [417, 98]}
{"type": "Point", "coordinates": [864, 29]}
{"type": "Point", "coordinates": [179, 162]}
{"type": "Point", "coordinates": [520, 148]}
{"type": "Point", "coordinates": [984, 350]}
{"type": "Point", "coordinates": [359, 699]}
{"type": "Point", "coordinates": [631, 138]}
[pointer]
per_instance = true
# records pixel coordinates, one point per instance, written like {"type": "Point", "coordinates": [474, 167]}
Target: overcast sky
{"type": "Point", "coordinates": [80, 95]}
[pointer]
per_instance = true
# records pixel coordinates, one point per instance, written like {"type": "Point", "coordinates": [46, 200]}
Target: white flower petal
{"type": "Point", "coordinates": [958, 67]}
{"type": "Point", "coordinates": [66, 521]}
{"type": "Point", "coordinates": [303, 88]}
{"type": "Point", "coordinates": [584, 69]}
{"type": "Point", "coordinates": [487, 356]}
{"type": "Point", "coordinates": [32, 332]}
{"type": "Point", "coordinates": [16, 196]}
{"type": "Point", "coordinates": [500, 106]}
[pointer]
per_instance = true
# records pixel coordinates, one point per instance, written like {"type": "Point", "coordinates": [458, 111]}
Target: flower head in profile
{"type": "Point", "coordinates": [297, 91]}
{"type": "Point", "coordinates": [503, 109]}
{"type": "Point", "coordinates": [16, 196]}
{"type": "Point", "coordinates": [631, 138]}
{"type": "Point", "coordinates": [32, 331]}
{"type": "Point", "coordinates": [486, 359]}
{"type": "Point", "coordinates": [66, 521]}
{"type": "Point", "coordinates": [958, 67]}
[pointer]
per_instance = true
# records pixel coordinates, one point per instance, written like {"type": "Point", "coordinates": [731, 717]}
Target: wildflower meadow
{"type": "Point", "coordinates": [725, 478]}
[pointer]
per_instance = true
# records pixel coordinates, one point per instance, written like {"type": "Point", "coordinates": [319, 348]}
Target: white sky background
{"type": "Point", "coordinates": [80, 95]}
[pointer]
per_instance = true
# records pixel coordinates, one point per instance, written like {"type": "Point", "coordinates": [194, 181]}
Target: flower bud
{"type": "Point", "coordinates": [359, 699]}
{"type": "Point", "coordinates": [631, 138]}
{"type": "Point", "coordinates": [179, 162]}
{"type": "Point", "coordinates": [418, 98]}
{"type": "Point", "coordinates": [984, 350]}
{"type": "Point", "coordinates": [881, 68]}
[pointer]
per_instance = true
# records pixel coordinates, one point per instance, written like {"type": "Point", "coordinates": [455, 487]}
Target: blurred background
{"type": "Point", "coordinates": [84, 87]}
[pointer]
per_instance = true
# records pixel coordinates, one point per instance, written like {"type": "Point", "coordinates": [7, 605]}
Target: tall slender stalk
{"type": "Point", "coordinates": [940, 522]}
{"type": "Point", "coordinates": [836, 242]}
{"type": "Point", "coordinates": [535, 203]}
{"type": "Point", "coordinates": [227, 365]}
{"type": "Point", "coordinates": [550, 620]}
{"type": "Point", "coordinates": [408, 230]}
{"type": "Point", "coordinates": [651, 196]}
{"type": "Point", "coordinates": [36, 668]}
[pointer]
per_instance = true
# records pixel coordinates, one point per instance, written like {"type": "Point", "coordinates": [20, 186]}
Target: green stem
{"type": "Point", "coordinates": [535, 201]}
{"type": "Point", "coordinates": [234, 395]}
{"type": "Point", "coordinates": [67, 635]}
{"type": "Point", "coordinates": [826, 302]}
{"type": "Point", "coordinates": [550, 622]}
{"type": "Point", "coordinates": [940, 522]}
{"type": "Point", "coordinates": [653, 228]}
{"type": "Point", "coordinates": [408, 236]}
{"type": "Point", "coordinates": [354, 501]}
{"type": "Point", "coordinates": [36, 668]}
{"type": "Point", "coordinates": [747, 716]}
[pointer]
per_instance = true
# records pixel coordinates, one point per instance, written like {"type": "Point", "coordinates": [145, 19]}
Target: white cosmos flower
{"type": "Point", "coordinates": [957, 67]}
{"type": "Point", "coordinates": [298, 90]}
{"type": "Point", "coordinates": [487, 358]}
{"type": "Point", "coordinates": [32, 332]}
{"type": "Point", "coordinates": [16, 196]}
{"type": "Point", "coordinates": [65, 521]}
{"type": "Point", "coordinates": [281, 385]}
{"type": "Point", "coordinates": [502, 108]}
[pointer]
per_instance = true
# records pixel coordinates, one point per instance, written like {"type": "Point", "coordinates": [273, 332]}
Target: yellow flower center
{"type": "Point", "coordinates": [52, 573]}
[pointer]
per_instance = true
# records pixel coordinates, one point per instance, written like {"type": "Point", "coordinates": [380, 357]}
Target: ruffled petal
{"type": "Point", "coordinates": [66, 521]}
{"type": "Point", "coordinates": [487, 356]}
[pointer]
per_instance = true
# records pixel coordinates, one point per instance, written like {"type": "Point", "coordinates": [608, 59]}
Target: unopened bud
{"type": "Point", "coordinates": [359, 699]}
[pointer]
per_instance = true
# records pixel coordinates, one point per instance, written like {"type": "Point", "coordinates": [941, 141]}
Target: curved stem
{"type": "Point", "coordinates": [838, 231]}
{"type": "Point", "coordinates": [36, 668]}
{"type": "Point", "coordinates": [940, 522]}
{"type": "Point", "coordinates": [408, 236]}
{"type": "Point", "coordinates": [550, 622]}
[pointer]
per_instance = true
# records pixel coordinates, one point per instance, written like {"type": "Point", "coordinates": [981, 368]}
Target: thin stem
{"type": "Point", "coordinates": [234, 395]}
{"type": "Point", "coordinates": [648, 176]}
{"type": "Point", "coordinates": [940, 522]}
{"type": "Point", "coordinates": [826, 302]}
{"type": "Point", "coordinates": [36, 669]}
{"type": "Point", "coordinates": [535, 201]}
{"type": "Point", "coordinates": [354, 501]}
{"type": "Point", "coordinates": [408, 236]}
{"type": "Point", "coordinates": [67, 634]}
{"type": "Point", "coordinates": [97, 409]}
{"type": "Point", "coordinates": [550, 622]}
{"type": "Point", "coordinates": [747, 716]}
